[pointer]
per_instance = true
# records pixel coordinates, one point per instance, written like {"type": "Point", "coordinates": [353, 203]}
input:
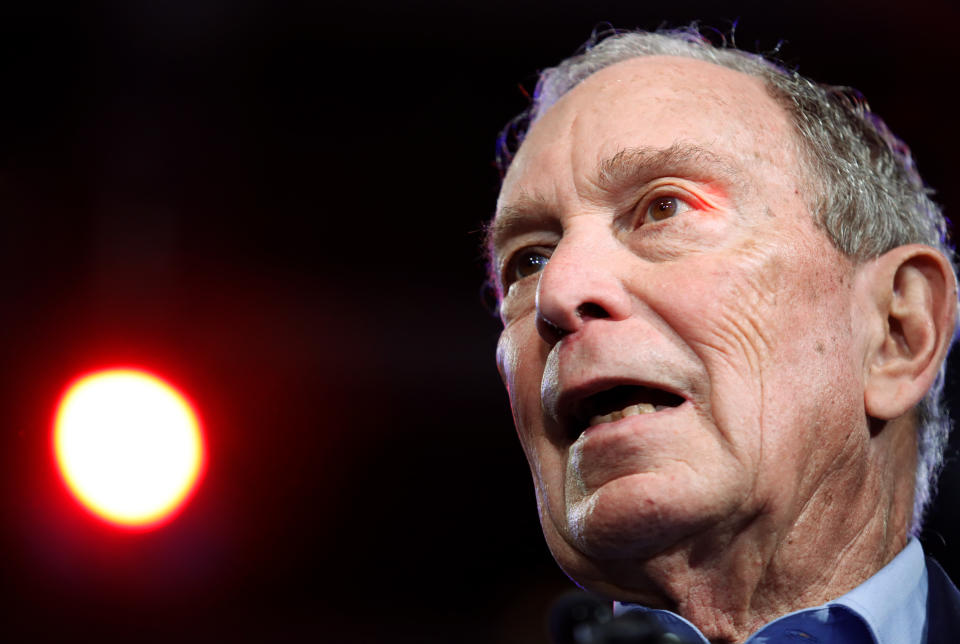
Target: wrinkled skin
{"type": "Point", "coordinates": [665, 207]}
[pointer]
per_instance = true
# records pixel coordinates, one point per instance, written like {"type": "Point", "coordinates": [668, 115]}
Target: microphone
{"type": "Point", "coordinates": [581, 618]}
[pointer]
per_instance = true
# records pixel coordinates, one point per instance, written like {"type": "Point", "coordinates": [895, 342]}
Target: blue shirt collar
{"type": "Point", "coordinates": [888, 608]}
{"type": "Point", "coordinates": [893, 602]}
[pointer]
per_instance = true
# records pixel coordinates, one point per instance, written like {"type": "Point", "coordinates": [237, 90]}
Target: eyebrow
{"type": "Point", "coordinates": [629, 167]}
{"type": "Point", "coordinates": [529, 212]}
{"type": "Point", "coordinates": [637, 166]}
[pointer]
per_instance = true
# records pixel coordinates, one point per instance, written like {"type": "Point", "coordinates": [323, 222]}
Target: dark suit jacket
{"type": "Point", "coordinates": [943, 606]}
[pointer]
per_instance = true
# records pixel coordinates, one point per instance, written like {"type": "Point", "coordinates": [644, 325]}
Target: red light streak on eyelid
{"type": "Point", "coordinates": [709, 197]}
{"type": "Point", "coordinates": [713, 196]}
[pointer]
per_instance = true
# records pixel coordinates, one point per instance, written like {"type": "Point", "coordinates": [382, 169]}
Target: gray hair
{"type": "Point", "coordinates": [867, 194]}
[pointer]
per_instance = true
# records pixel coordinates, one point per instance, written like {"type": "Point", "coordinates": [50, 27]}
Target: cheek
{"type": "Point", "coordinates": [763, 322]}
{"type": "Point", "coordinates": [521, 356]}
{"type": "Point", "coordinates": [508, 358]}
{"type": "Point", "coordinates": [520, 361]}
{"type": "Point", "coordinates": [727, 316]}
{"type": "Point", "coordinates": [757, 303]}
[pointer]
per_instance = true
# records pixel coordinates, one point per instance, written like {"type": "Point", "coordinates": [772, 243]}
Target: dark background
{"type": "Point", "coordinates": [276, 206]}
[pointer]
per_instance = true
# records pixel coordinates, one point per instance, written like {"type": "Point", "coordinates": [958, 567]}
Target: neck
{"type": "Point", "coordinates": [732, 596]}
{"type": "Point", "coordinates": [731, 582]}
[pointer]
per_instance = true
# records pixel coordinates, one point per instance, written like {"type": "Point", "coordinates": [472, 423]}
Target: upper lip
{"type": "Point", "coordinates": [573, 407]}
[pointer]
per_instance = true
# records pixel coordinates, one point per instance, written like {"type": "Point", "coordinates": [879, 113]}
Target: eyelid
{"type": "Point", "coordinates": [660, 190]}
{"type": "Point", "coordinates": [508, 263]}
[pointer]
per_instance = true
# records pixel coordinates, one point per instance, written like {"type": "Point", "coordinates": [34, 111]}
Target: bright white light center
{"type": "Point", "coordinates": [128, 445]}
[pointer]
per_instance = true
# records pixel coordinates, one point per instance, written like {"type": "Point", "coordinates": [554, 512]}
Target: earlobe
{"type": "Point", "coordinates": [915, 291]}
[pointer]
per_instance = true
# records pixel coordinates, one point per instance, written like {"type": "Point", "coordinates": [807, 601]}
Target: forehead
{"type": "Point", "coordinates": [655, 102]}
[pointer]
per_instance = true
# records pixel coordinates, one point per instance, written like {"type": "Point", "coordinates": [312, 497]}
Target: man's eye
{"type": "Point", "coordinates": [663, 208]}
{"type": "Point", "coordinates": [524, 264]}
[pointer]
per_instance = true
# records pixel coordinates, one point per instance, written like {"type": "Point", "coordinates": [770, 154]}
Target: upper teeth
{"type": "Point", "coordinates": [632, 410]}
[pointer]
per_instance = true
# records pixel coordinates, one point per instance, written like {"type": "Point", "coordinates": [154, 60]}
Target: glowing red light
{"type": "Point", "coordinates": [128, 446]}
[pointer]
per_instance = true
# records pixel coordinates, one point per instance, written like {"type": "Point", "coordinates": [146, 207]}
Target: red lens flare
{"type": "Point", "coordinates": [129, 446]}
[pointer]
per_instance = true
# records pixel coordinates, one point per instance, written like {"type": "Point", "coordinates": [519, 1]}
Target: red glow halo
{"type": "Point", "coordinates": [128, 446]}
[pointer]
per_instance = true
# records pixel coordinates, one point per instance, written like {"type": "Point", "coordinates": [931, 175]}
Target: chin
{"type": "Point", "coordinates": [640, 516]}
{"type": "Point", "coordinates": [614, 578]}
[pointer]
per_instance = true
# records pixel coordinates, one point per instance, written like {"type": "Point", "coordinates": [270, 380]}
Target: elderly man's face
{"type": "Point", "coordinates": [679, 338]}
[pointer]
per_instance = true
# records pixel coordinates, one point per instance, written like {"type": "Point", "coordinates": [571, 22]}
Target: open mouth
{"type": "Point", "coordinates": [619, 402]}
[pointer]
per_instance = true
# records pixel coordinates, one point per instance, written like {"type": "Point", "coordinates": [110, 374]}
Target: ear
{"type": "Point", "coordinates": [914, 291]}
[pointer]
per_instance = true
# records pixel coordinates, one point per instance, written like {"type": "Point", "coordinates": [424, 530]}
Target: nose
{"type": "Point", "coordinates": [583, 281]}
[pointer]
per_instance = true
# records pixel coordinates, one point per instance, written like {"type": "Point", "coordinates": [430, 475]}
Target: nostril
{"type": "Point", "coordinates": [553, 333]}
{"type": "Point", "coordinates": [590, 310]}
{"type": "Point", "coordinates": [549, 331]}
